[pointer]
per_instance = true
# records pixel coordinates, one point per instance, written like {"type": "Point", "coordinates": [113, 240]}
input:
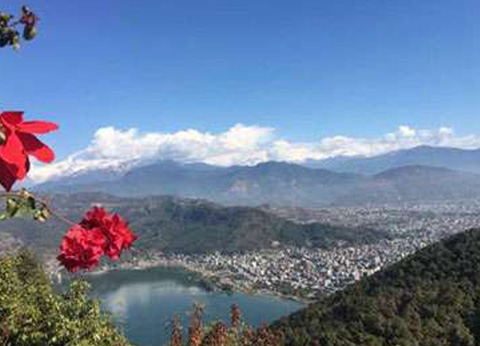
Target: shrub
{"type": "Point", "coordinates": [32, 314]}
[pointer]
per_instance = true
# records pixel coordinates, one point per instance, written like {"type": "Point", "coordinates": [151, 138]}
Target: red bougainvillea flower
{"type": "Point", "coordinates": [81, 248]}
{"type": "Point", "coordinates": [99, 233]}
{"type": "Point", "coordinates": [116, 231]}
{"type": "Point", "coordinates": [18, 142]}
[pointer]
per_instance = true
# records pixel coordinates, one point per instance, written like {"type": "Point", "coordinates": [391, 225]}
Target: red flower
{"type": "Point", "coordinates": [116, 231]}
{"type": "Point", "coordinates": [81, 248]}
{"type": "Point", "coordinates": [99, 233]}
{"type": "Point", "coordinates": [20, 142]}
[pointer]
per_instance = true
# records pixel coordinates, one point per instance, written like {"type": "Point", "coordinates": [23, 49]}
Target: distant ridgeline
{"type": "Point", "coordinates": [422, 174]}
{"type": "Point", "coordinates": [431, 298]}
{"type": "Point", "coordinates": [190, 226]}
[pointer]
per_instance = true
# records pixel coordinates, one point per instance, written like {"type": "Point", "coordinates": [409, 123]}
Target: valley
{"type": "Point", "coordinates": [299, 269]}
{"type": "Point", "coordinates": [354, 228]}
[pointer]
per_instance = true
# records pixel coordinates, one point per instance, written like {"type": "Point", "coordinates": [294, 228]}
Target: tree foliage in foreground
{"type": "Point", "coordinates": [32, 314]}
{"type": "Point", "coordinates": [430, 299]}
{"type": "Point", "coordinates": [219, 334]}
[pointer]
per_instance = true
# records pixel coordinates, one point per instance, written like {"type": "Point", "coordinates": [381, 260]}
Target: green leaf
{"type": "Point", "coordinates": [42, 214]}
{"type": "Point", "coordinates": [38, 216]}
{"type": "Point", "coordinates": [12, 207]}
{"type": "Point", "coordinates": [26, 207]}
{"type": "Point", "coordinates": [21, 206]}
{"type": "Point", "coordinates": [30, 202]}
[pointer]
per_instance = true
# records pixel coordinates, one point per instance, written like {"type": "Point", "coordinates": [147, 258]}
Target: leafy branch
{"type": "Point", "coordinates": [23, 203]}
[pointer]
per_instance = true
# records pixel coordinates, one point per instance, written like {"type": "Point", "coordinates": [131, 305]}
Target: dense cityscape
{"type": "Point", "coordinates": [295, 272]}
{"type": "Point", "coordinates": [308, 273]}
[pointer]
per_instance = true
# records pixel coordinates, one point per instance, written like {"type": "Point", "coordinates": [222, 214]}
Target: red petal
{"type": "Point", "coordinates": [12, 152]}
{"type": "Point", "coordinates": [36, 148]}
{"type": "Point", "coordinates": [7, 178]}
{"type": "Point", "coordinates": [37, 127]}
{"type": "Point", "coordinates": [12, 118]}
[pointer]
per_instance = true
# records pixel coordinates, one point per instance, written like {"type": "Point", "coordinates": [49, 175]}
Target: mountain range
{"type": "Point", "coordinates": [444, 157]}
{"type": "Point", "coordinates": [422, 174]}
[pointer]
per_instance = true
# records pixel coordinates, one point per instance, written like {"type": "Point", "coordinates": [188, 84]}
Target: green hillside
{"type": "Point", "coordinates": [188, 226]}
{"type": "Point", "coordinates": [32, 314]}
{"type": "Point", "coordinates": [431, 298]}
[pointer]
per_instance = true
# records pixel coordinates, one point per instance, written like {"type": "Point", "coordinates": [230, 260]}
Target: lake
{"type": "Point", "coordinates": [143, 302]}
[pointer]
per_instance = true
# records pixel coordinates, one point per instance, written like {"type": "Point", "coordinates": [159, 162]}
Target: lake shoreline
{"type": "Point", "coordinates": [143, 301]}
{"type": "Point", "coordinates": [208, 280]}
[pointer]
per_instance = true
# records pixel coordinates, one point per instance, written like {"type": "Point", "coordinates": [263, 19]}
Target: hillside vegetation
{"type": "Point", "coordinates": [32, 314]}
{"type": "Point", "coordinates": [431, 298]}
{"type": "Point", "coordinates": [190, 226]}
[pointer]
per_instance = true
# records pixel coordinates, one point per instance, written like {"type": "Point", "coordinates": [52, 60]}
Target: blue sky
{"type": "Point", "coordinates": [308, 68]}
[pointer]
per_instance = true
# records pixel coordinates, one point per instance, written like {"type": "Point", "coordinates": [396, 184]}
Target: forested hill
{"type": "Point", "coordinates": [431, 298]}
{"type": "Point", "coordinates": [188, 226]}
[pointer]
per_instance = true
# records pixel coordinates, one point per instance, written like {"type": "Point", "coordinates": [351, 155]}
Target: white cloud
{"type": "Point", "coordinates": [239, 145]}
{"type": "Point", "coordinates": [407, 131]}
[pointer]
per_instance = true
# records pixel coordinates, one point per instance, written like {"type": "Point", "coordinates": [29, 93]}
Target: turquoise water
{"type": "Point", "coordinates": [144, 301]}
